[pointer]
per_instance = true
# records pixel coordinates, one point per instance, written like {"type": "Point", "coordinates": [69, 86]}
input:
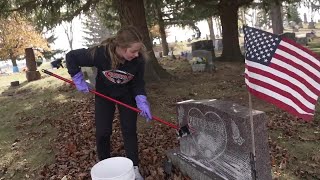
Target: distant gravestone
{"type": "Point", "coordinates": [208, 55]}
{"type": "Point", "coordinates": [30, 59]}
{"type": "Point", "coordinates": [218, 44]}
{"type": "Point", "coordinates": [202, 45]}
{"type": "Point", "coordinates": [220, 146]}
{"type": "Point", "coordinates": [311, 25]}
{"type": "Point", "coordinates": [289, 35]}
{"type": "Point", "coordinates": [305, 18]}
{"type": "Point", "coordinates": [302, 40]}
{"type": "Point", "coordinates": [32, 73]}
{"type": "Point", "coordinates": [292, 24]}
{"type": "Point", "coordinates": [310, 35]}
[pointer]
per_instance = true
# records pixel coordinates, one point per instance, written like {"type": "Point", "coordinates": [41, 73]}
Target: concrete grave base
{"type": "Point", "coordinates": [33, 75]}
{"type": "Point", "coordinates": [189, 167]}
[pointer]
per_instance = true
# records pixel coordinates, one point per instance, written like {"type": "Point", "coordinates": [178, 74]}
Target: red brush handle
{"type": "Point", "coordinates": [111, 99]}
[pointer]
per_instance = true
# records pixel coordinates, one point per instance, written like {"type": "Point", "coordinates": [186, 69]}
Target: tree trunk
{"type": "Point", "coordinates": [276, 18]}
{"type": "Point", "coordinates": [230, 36]}
{"type": "Point", "coordinates": [218, 22]}
{"type": "Point", "coordinates": [132, 12]}
{"type": "Point", "coordinates": [68, 30]}
{"type": "Point", "coordinates": [162, 30]}
{"type": "Point", "coordinates": [243, 16]}
{"type": "Point", "coordinates": [210, 24]}
{"type": "Point", "coordinates": [14, 63]}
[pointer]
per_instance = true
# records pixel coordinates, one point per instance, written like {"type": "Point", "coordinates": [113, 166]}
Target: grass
{"type": "Point", "coordinates": [26, 112]}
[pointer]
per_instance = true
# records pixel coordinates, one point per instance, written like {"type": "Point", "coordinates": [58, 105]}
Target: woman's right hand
{"type": "Point", "coordinates": [80, 83]}
{"type": "Point", "coordinates": [143, 105]}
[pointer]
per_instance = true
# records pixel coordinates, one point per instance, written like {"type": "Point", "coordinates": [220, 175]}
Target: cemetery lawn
{"type": "Point", "coordinates": [29, 115]}
{"type": "Point", "coordinates": [26, 115]}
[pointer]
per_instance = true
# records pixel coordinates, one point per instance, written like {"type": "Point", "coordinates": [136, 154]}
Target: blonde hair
{"type": "Point", "coordinates": [124, 38]}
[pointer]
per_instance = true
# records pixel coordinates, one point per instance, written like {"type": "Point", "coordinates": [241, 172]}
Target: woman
{"type": "Point", "coordinates": [120, 65]}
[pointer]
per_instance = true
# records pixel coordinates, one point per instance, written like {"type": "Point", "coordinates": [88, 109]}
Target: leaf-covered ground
{"type": "Point", "coordinates": [67, 120]}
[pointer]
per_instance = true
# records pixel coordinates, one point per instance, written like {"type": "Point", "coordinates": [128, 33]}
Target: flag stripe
{"type": "Point", "coordinates": [298, 74]}
{"type": "Point", "coordinates": [279, 103]}
{"type": "Point", "coordinates": [285, 83]}
{"type": "Point", "coordinates": [297, 78]}
{"type": "Point", "coordinates": [299, 61]}
{"type": "Point", "coordinates": [281, 75]}
{"type": "Point", "coordinates": [276, 96]}
{"type": "Point", "coordinates": [281, 89]}
{"type": "Point", "coordinates": [311, 57]}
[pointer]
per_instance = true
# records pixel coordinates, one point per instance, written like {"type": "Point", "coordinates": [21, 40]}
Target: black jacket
{"type": "Point", "coordinates": [126, 80]}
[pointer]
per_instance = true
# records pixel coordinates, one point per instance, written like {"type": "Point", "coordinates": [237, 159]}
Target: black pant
{"type": "Point", "coordinates": [104, 114]}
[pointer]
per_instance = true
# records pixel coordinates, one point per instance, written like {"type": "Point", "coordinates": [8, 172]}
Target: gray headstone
{"type": "Point", "coordinates": [218, 44]}
{"type": "Point", "coordinates": [305, 18]}
{"type": "Point", "coordinates": [220, 146]}
{"type": "Point", "coordinates": [311, 25]}
{"type": "Point", "coordinates": [208, 55]}
{"type": "Point", "coordinates": [302, 40]}
{"type": "Point", "coordinates": [310, 35]}
{"type": "Point", "coordinates": [202, 45]}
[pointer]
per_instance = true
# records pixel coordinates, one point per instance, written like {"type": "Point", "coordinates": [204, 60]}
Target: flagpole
{"type": "Point", "coordinates": [253, 157]}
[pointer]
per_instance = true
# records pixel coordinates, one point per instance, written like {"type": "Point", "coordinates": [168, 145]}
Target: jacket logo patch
{"type": "Point", "coordinates": [117, 76]}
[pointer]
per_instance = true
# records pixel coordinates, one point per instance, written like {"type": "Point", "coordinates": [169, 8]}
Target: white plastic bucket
{"type": "Point", "coordinates": [115, 168]}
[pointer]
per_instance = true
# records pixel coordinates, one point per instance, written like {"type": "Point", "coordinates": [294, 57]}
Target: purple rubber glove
{"type": "Point", "coordinates": [80, 83]}
{"type": "Point", "coordinates": [143, 105]}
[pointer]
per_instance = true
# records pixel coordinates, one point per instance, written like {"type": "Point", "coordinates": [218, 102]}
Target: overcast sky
{"type": "Point", "coordinates": [174, 33]}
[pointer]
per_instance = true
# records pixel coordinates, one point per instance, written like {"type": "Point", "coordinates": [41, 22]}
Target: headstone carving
{"type": "Point", "coordinates": [32, 73]}
{"type": "Point", "coordinates": [220, 146]}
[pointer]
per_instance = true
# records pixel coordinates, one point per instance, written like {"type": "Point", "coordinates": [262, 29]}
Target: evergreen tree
{"type": "Point", "coordinates": [95, 30]}
{"type": "Point", "coordinates": [293, 14]}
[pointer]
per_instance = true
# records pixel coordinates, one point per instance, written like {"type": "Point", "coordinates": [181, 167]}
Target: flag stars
{"type": "Point", "coordinates": [259, 45]}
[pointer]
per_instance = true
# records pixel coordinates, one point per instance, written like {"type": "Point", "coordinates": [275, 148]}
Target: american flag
{"type": "Point", "coordinates": [282, 72]}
